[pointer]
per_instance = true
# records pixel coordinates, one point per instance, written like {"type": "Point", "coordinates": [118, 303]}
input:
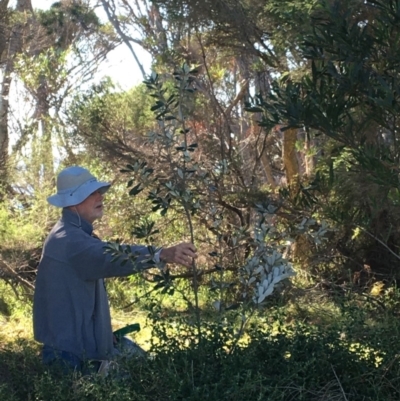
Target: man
{"type": "Point", "coordinates": [71, 314]}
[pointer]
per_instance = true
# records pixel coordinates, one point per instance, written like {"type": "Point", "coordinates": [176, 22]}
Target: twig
{"type": "Point", "coordinates": [340, 385]}
{"type": "Point", "coordinates": [377, 239]}
{"type": "Point", "coordinates": [138, 299]}
{"type": "Point", "coordinates": [127, 40]}
{"type": "Point", "coordinates": [14, 274]}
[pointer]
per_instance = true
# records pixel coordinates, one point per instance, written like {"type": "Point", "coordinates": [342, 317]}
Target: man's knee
{"type": "Point", "coordinates": [67, 362]}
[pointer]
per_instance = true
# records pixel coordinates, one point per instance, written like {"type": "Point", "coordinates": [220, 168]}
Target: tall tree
{"type": "Point", "coordinates": [67, 44]}
{"type": "Point", "coordinates": [13, 34]}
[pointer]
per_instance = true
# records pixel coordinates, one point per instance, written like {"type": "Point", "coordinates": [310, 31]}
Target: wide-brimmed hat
{"type": "Point", "coordinates": [74, 185]}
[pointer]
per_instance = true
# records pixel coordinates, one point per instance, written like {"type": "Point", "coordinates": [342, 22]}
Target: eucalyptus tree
{"type": "Point", "coordinates": [14, 33]}
{"type": "Point", "coordinates": [50, 52]}
{"type": "Point", "coordinates": [67, 44]}
{"type": "Point", "coordinates": [49, 55]}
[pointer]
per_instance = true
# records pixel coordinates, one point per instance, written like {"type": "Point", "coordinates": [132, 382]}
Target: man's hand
{"type": "Point", "coordinates": [182, 254]}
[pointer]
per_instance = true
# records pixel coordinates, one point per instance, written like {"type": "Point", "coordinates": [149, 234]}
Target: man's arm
{"type": "Point", "coordinates": [91, 262]}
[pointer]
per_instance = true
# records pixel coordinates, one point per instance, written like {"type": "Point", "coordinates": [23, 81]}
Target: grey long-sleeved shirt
{"type": "Point", "coordinates": [71, 311]}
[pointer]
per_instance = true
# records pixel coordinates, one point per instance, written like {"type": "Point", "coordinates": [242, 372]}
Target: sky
{"type": "Point", "coordinates": [120, 64]}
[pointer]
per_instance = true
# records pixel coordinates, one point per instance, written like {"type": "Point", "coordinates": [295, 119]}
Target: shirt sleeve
{"type": "Point", "coordinates": [88, 257]}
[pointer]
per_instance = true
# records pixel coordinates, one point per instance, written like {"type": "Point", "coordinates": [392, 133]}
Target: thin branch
{"type": "Point", "coordinates": [340, 385]}
{"type": "Point", "coordinates": [239, 96]}
{"type": "Point", "coordinates": [377, 239]}
{"type": "Point", "coordinates": [15, 275]}
{"type": "Point", "coordinates": [127, 40]}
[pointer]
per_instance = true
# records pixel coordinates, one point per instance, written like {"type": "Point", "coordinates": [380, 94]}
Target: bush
{"type": "Point", "coordinates": [350, 359]}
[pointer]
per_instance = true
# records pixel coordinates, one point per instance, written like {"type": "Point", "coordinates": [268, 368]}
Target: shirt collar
{"type": "Point", "coordinates": [68, 216]}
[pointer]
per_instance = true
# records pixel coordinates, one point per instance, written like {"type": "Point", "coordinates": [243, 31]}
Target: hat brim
{"type": "Point", "coordinates": [74, 198]}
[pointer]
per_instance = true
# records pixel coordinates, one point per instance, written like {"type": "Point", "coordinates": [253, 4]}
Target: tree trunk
{"type": "Point", "coordinates": [4, 106]}
{"type": "Point", "coordinates": [15, 45]}
{"type": "Point", "coordinates": [309, 157]}
{"type": "Point", "coordinates": [4, 27]}
{"type": "Point", "coordinates": [261, 83]}
{"type": "Point", "coordinates": [290, 158]}
{"type": "Point", "coordinates": [267, 169]}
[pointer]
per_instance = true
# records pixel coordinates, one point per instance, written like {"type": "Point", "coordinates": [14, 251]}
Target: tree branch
{"type": "Point", "coordinates": [126, 39]}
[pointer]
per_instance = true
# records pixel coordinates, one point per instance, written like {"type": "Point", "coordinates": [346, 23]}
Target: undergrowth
{"type": "Point", "coordinates": [348, 354]}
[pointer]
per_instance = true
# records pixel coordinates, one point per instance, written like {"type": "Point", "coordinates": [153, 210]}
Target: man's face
{"type": "Point", "coordinates": [91, 208]}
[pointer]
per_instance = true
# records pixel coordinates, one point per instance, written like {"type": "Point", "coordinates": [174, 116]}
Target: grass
{"type": "Point", "coordinates": [313, 347]}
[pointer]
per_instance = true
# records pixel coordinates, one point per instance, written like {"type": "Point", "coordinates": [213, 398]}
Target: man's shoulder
{"type": "Point", "coordinates": [63, 230]}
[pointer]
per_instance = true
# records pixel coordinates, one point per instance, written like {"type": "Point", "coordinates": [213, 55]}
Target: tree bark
{"type": "Point", "coordinates": [267, 169]}
{"type": "Point", "coordinates": [309, 157]}
{"type": "Point", "coordinates": [4, 107]}
{"type": "Point", "coordinates": [290, 158]}
{"type": "Point", "coordinates": [4, 27]}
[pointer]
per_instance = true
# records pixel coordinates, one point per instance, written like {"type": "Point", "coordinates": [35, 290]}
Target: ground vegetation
{"type": "Point", "coordinates": [266, 134]}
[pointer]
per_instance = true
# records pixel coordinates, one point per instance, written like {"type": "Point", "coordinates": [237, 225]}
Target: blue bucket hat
{"type": "Point", "coordinates": [74, 185]}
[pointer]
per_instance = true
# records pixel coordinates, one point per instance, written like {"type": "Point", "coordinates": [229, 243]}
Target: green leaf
{"type": "Point", "coordinates": [158, 105]}
{"type": "Point", "coordinates": [159, 285]}
{"type": "Point", "coordinates": [254, 109]}
{"type": "Point", "coordinates": [136, 190]}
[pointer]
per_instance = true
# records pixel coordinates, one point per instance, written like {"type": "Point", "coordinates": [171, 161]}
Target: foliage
{"type": "Point", "coordinates": [327, 68]}
{"type": "Point", "coordinates": [349, 94]}
{"type": "Point", "coordinates": [113, 121]}
{"type": "Point", "coordinates": [350, 358]}
{"type": "Point", "coordinates": [183, 183]}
